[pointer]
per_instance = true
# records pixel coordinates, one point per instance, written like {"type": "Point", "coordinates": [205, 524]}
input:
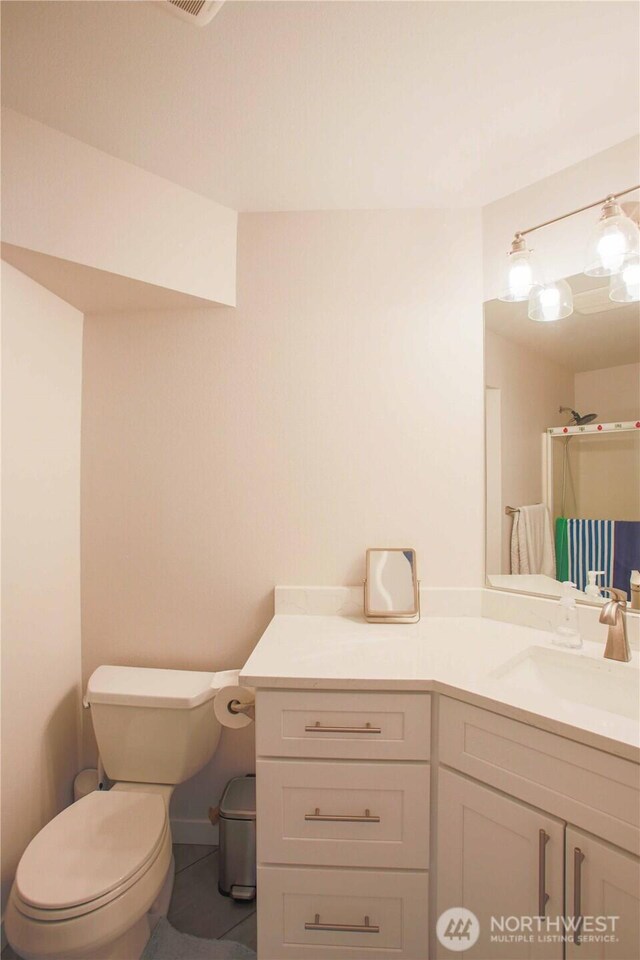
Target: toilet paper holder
{"type": "Point", "coordinates": [249, 709]}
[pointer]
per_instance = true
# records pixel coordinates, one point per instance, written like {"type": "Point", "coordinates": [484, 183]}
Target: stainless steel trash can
{"type": "Point", "coordinates": [237, 877]}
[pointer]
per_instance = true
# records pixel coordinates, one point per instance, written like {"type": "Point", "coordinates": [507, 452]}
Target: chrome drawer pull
{"type": "Point", "coordinates": [338, 818]}
{"type": "Point", "coordinates": [543, 896]}
{"type": "Point", "coordinates": [578, 857]}
{"type": "Point", "coordinates": [317, 727]}
{"type": "Point", "coordinates": [365, 927]}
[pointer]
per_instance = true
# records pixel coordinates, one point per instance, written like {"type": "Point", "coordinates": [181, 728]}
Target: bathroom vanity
{"type": "Point", "coordinates": [406, 769]}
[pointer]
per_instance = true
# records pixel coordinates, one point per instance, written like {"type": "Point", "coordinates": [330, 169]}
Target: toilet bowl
{"type": "Point", "coordinates": [92, 883]}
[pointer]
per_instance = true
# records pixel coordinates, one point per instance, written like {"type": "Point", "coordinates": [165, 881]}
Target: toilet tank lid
{"type": "Point", "coordinates": [150, 687]}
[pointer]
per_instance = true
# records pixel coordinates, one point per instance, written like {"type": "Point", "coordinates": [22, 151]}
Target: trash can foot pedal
{"type": "Point", "coordinates": [239, 892]}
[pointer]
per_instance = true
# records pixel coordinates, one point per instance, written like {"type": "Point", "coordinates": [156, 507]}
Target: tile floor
{"type": "Point", "coordinates": [196, 906]}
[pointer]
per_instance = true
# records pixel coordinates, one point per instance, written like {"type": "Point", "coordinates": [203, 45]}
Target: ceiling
{"type": "Point", "coordinates": [332, 105]}
{"type": "Point", "coordinates": [579, 342]}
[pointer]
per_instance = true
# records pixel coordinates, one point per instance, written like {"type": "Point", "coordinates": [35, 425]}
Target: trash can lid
{"type": "Point", "coordinates": [239, 799]}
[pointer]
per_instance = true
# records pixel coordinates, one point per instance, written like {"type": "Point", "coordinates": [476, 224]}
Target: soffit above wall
{"type": "Point", "coordinates": [96, 291]}
{"type": "Point", "coordinates": [65, 199]}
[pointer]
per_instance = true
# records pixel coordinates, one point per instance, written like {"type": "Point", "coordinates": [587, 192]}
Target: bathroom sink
{"type": "Point", "coordinates": [575, 679]}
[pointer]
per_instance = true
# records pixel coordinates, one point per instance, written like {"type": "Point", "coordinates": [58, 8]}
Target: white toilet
{"type": "Point", "coordinates": [90, 884]}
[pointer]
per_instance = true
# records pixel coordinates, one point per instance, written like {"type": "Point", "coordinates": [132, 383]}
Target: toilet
{"type": "Point", "coordinates": [96, 878]}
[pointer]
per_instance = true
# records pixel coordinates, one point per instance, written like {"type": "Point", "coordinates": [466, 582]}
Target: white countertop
{"type": "Point", "coordinates": [537, 583]}
{"type": "Point", "coordinates": [463, 657]}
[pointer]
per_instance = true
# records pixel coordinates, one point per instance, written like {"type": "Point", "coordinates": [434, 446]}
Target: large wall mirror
{"type": "Point", "coordinates": [563, 445]}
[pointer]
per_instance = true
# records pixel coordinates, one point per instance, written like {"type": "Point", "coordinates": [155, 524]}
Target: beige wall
{"type": "Point", "coordinates": [41, 388]}
{"type": "Point", "coordinates": [531, 389]}
{"type": "Point", "coordinates": [613, 392]}
{"type": "Point", "coordinates": [608, 468]}
{"type": "Point", "coordinates": [338, 407]}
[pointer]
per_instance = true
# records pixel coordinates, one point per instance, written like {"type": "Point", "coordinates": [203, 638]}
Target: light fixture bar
{"type": "Point", "coordinates": [589, 206]}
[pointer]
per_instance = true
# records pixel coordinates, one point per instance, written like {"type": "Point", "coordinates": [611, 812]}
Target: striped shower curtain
{"type": "Point", "coordinates": [583, 545]}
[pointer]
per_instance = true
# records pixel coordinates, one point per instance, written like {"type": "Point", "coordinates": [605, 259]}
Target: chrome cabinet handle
{"type": "Point", "coordinates": [340, 818]}
{"type": "Point", "coordinates": [543, 896]}
{"type": "Point", "coordinates": [365, 927]}
{"type": "Point", "coordinates": [317, 727]}
{"type": "Point", "coordinates": [578, 857]}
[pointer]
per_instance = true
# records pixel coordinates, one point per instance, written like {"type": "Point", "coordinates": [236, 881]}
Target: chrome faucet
{"type": "Point", "coordinates": [612, 614]}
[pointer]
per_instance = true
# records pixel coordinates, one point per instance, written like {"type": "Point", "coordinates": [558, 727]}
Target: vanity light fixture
{"type": "Point", "coordinates": [624, 287]}
{"type": "Point", "coordinates": [612, 252]}
{"type": "Point", "coordinates": [613, 242]}
{"type": "Point", "coordinates": [551, 301]}
{"type": "Point", "coordinates": [521, 272]}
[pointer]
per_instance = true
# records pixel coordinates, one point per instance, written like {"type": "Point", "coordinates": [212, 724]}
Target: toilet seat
{"type": "Point", "coordinates": [90, 854]}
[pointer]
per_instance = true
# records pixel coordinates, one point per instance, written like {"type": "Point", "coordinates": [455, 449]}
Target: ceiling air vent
{"type": "Point", "coordinates": [594, 301]}
{"type": "Point", "coordinates": [196, 11]}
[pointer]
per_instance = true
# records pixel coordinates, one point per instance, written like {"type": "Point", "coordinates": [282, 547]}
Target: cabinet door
{"type": "Point", "coordinates": [602, 881]}
{"type": "Point", "coordinates": [500, 859]}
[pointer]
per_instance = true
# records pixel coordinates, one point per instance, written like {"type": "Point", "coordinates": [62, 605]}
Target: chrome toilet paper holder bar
{"type": "Point", "coordinates": [249, 709]}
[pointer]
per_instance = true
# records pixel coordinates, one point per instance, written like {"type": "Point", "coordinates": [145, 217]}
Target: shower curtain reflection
{"type": "Point", "coordinates": [596, 504]}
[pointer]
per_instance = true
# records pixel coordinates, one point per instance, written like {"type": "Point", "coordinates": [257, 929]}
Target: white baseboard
{"type": "Point", "coordinates": [194, 831]}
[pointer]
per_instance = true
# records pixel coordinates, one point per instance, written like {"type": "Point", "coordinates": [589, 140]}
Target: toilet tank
{"type": "Point", "coordinates": [153, 726]}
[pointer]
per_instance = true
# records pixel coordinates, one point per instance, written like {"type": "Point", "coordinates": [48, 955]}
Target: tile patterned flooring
{"type": "Point", "coordinates": [196, 906]}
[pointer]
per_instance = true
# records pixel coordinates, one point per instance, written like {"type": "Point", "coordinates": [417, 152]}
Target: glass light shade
{"type": "Point", "coordinates": [550, 301]}
{"type": "Point", "coordinates": [624, 287]}
{"type": "Point", "coordinates": [613, 243]}
{"type": "Point", "coordinates": [521, 273]}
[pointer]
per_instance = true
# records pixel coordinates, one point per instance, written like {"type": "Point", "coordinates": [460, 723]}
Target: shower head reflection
{"type": "Point", "coordinates": [576, 419]}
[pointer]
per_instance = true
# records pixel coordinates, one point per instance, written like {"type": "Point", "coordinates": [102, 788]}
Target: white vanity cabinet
{"type": "Point", "coordinates": [553, 818]}
{"type": "Point", "coordinates": [498, 857]}
{"type": "Point", "coordinates": [501, 858]}
{"type": "Point", "coordinates": [375, 806]}
{"type": "Point", "coordinates": [603, 880]}
{"type": "Point", "coordinates": [343, 785]}
{"type": "Point", "coordinates": [594, 790]}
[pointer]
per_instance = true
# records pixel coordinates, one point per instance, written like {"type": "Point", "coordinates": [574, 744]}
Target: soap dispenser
{"type": "Point", "coordinates": [567, 633]}
{"type": "Point", "coordinates": [592, 589]}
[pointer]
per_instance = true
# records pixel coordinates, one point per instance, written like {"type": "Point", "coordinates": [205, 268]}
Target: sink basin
{"type": "Point", "coordinates": [575, 679]}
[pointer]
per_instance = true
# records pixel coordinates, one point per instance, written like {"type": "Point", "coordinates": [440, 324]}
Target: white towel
{"type": "Point", "coordinates": [532, 547]}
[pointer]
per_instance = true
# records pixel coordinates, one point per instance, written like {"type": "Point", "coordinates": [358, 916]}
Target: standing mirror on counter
{"type": "Point", "coordinates": [562, 408]}
{"type": "Point", "coordinates": [391, 588]}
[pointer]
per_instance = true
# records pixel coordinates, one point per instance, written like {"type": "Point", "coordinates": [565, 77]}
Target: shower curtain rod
{"type": "Point", "coordinates": [590, 428]}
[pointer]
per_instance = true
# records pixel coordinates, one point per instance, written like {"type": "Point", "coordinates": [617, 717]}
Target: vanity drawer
{"type": "Point", "coordinates": [304, 913]}
{"type": "Point", "coordinates": [344, 723]}
{"type": "Point", "coordinates": [585, 786]}
{"type": "Point", "coordinates": [354, 814]}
